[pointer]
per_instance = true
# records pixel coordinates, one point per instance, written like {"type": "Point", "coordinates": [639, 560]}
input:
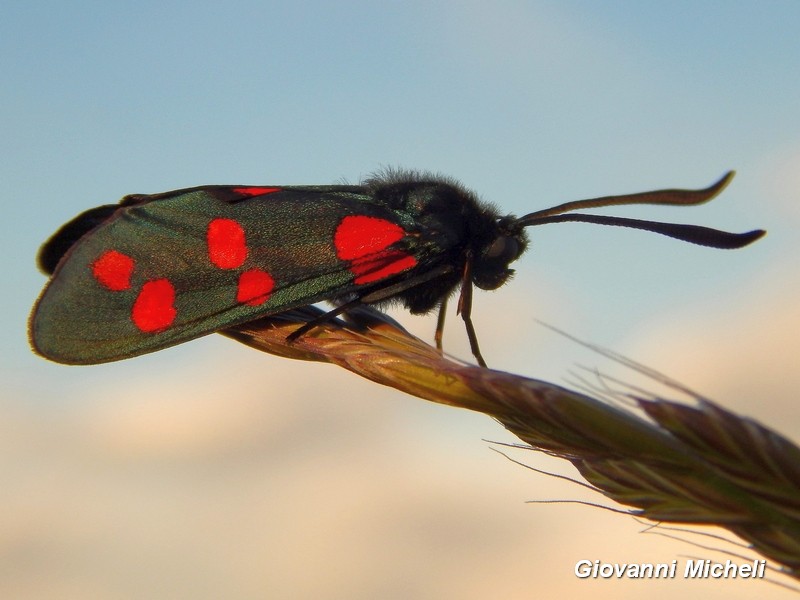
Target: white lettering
{"type": "Point", "coordinates": [606, 570]}
{"type": "Point", "coordinates": [595, 569]}
{"type": "Point", "coordinates": [694, 568]}
{"type": "Point", "coordinates": [760, 568]}
{"type": "Point", "coordinates": [665, 570]}
{"type": "Point", "coordinates": [583, 569]}
{"type": "Point", "coordinates": [638, 571]}
{"type": "Point", "coordinates": [728, 570]}
{"type": "Point", "coordinates": [731, 569]}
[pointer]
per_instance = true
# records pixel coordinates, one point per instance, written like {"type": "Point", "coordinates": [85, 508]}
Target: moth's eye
{"type": "Point", "coordinates": [503, 248]}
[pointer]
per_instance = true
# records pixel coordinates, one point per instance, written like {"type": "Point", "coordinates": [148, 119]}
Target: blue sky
{"type": "Point", "coordinates": [528, 103]}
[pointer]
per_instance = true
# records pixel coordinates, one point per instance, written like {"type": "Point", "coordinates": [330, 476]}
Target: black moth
{"type": "Point", "coordinates": [157, 270]}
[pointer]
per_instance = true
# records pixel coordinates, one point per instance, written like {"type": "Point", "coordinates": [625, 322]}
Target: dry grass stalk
{"type": "Point", "coordinates": [694, 464]}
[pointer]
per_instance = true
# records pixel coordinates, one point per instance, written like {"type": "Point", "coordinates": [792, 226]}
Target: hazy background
{"type": "Point", "coordinates": [210, 470]}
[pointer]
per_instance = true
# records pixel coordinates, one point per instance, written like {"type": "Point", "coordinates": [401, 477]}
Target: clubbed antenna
{"type": "Point", "coordinates": [695, 234]}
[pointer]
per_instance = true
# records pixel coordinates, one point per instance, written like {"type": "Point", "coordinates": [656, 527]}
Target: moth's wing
{"type": "Point", "coordinates": [163, 269]}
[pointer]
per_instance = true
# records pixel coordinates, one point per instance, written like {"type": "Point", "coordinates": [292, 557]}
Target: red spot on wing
{"type": "Point", "coordinates": [366, 241]}
{"type": "Point", "coordinates": [227, 248]}
{"type": "Point", "coordinates": [381, 265]}
{"type": "Point", "coordinates": [113, 270]}
{"type": "Point", "coordinates": [255, 287]}
{"type": "Point", "coordinates": [154, 308]}
{"type": "Point", "coordinates": [358, 236]}
{"type": "Point", "coordinates": [249, 192]}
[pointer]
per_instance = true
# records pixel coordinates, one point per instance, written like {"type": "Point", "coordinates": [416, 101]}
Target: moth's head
{"type": "Point", "coordinates": [490, 269]}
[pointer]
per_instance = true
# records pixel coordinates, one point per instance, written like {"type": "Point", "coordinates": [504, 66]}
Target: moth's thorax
{"type": "Point", "coordinates": [458, 228]}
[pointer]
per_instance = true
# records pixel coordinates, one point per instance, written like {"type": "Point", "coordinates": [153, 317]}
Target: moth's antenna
{"type": "Point", "coordinates": [704, 236]}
